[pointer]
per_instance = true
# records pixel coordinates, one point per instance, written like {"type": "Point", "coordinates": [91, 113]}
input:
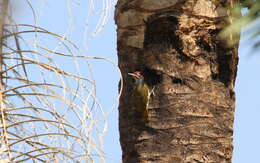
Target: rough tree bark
{"type": "Point", "coordinates": [176, 44]}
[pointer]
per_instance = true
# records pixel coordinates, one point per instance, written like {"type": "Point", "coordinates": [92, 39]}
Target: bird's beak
{"type": "Point", "coordinates": [132, 74]}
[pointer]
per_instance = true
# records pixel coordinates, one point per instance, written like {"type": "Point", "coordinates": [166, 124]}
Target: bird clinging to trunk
{"type": "Point", "coordinates": [141, 93]}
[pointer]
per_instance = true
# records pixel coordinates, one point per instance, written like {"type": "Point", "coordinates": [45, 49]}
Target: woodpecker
{"type": "Point", "coordinates": [141, 93]}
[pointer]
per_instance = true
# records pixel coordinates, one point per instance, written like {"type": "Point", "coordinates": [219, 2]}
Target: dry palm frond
{"type": "Point", "coordinates": [49, 110]}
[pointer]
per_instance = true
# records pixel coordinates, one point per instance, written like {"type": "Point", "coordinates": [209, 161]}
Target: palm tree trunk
{"type": "Point", "coordinates": [192, 73]}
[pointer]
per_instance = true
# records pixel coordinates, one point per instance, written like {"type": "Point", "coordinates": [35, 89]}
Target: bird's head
{"type": "Point", "coordinates": [138, 76]}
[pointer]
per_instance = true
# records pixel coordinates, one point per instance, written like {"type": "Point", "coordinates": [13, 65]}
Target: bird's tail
{"type": "Point", "coordinates": [146, 115]}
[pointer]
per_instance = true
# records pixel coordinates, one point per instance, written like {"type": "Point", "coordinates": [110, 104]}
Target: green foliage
{"type": "Point", "coordinates": [249, 21]}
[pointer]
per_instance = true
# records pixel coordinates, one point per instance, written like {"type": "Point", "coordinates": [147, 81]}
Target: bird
{"type": "Point", "coordinates": [141, 93]}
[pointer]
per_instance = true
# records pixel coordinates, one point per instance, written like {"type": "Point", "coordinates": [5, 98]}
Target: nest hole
{"type": "Point", "coordinates": [152, 77]}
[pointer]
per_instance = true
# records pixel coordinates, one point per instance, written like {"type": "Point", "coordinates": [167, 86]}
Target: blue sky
{"type": "Point", "coordinates": [53, 15]}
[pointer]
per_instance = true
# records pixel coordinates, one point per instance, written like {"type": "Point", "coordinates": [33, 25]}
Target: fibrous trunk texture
{"type": "Point", "coordinates": [192, 73]}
